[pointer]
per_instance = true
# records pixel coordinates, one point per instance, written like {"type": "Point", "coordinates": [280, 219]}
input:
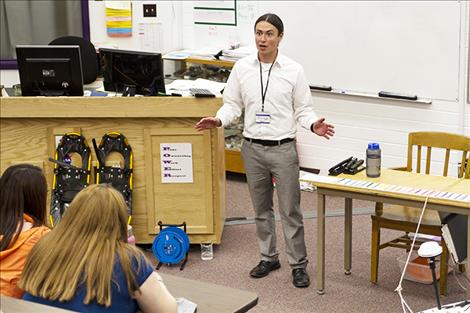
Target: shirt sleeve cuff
{"type": "Point", "coordinates": [310, 123]}
{"type": "Point", "coordinates": [222, 121]}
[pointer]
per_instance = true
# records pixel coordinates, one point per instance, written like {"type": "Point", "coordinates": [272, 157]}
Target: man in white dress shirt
{"type": "Point", "coordinates": [274, 93]}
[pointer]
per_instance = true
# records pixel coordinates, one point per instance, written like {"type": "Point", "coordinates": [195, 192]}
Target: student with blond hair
{"type": "Point", "coordinates": [23, 192]}
{"type": "Point", "coordinates": [85, 264]}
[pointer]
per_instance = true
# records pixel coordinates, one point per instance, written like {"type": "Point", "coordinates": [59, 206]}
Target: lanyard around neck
{"type": "Point", "coordinates": [263, 93]}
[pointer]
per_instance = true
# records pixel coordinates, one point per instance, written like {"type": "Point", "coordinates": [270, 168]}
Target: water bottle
{"type": "Point", "coordinates": [373, 160]}
{"type": "Point", "coordinates": [207, 253]}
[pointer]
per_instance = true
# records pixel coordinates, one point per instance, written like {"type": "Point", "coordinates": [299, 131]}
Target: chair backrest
{"type": "Point", "coordinates": [90, 65]}
{"type": "Point", "coordinates": [447, 141]}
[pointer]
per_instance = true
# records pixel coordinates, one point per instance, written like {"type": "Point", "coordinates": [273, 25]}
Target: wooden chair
{"type": "Point", "coordinates": [406, 218]}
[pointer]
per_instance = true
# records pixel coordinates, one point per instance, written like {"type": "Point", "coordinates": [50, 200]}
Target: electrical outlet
{"type": "Point", "coordinates": [150, 10]}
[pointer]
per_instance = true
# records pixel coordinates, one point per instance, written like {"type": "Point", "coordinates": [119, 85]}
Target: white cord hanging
{"type": "Point", "coordinates": [399, 288]}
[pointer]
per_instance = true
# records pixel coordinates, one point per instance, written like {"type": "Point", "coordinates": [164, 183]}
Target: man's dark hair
{"type": "Point", "coordinates": [273, 19]}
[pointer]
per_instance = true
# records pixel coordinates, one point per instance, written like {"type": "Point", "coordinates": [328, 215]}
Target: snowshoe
{"type": "Point", "coordinates": [68, 179]}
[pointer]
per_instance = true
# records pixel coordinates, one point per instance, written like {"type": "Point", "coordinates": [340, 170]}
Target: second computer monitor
{"type": "Point", "coordinates": [141, 72]}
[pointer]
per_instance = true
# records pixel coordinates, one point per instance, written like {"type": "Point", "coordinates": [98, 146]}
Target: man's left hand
{"type": "Point", "coordinates": [323, 129]}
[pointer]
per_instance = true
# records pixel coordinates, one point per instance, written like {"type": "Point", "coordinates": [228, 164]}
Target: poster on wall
{"type": "Point", "coordinates": [118, 18]}
{"type": "Point", "coordinates": [176, 163]}
{"type": "Point", "coordinates": [150, 37]}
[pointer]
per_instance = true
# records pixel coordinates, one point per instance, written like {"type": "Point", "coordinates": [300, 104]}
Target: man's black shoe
{"type": "Point", "coordinates": [263, 268]}
{"type": "Point", "coordinates": [300, 278]}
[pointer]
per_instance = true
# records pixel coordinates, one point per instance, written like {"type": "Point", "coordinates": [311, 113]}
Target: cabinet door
{"type": "Point", "coordinates": [177, 202]}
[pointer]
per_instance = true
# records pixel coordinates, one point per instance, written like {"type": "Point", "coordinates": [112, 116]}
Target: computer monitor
{"type": "Point", "coordinates": [132, 71]}
{"type": "Point", "coordinates": [50, 70]}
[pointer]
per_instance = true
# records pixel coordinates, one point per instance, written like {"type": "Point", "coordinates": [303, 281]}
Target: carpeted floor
{"type": "Point", "coordinates": [238, 253]}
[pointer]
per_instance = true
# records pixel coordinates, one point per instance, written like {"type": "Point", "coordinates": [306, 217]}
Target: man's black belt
{"type": "Point", "coordinates": [269, 142]}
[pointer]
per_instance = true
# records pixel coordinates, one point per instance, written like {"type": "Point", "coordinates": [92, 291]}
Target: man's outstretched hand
{"type": "Point", "coordinates": [323, 129]}
{"type": "Point", "coordinates": [208, 123]}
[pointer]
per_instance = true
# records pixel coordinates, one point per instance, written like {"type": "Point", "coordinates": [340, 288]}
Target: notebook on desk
{"type": "Point", "coordinates": [186, 306]}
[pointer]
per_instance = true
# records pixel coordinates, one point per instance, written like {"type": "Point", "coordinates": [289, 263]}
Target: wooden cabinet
{"type": "Point", "coordinates": [233, 161]}
{"type": "Point", "coordinates": [29, 126]}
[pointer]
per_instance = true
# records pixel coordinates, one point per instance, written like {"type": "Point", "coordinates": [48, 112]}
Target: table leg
{"type": "Point", "coordinates": [467, 267]}
{"type": "Point", "coordinates": [347, 235]}
{"type": "Point", "coordinates": [320, 244]}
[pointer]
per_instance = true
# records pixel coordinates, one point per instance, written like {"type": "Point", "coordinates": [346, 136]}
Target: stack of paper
{"type": "Point", "coordinates": [182, 86]}
{"type": "Point", "coordinates": [208, 53]}
{"type": "Point", "coordinates": [177, 55]}
{"type": "Point", "coordinates": [237, 54]}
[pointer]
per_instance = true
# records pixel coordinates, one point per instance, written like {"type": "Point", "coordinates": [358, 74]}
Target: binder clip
{"type": "Point", "coordinates": [171, 245]}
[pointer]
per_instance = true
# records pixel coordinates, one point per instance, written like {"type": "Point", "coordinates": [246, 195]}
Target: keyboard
{"type": "Point", "coordinates": [201, 93]}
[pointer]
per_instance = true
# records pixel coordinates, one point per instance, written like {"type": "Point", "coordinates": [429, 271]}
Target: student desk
{"type": "Point", "coordinates": [390, 177]}
{"type": "Point", "coordinates": [210, 298]}
{"type": "Point", "coordinates": [31, 126]}
{"type": "Point", "coordinates": [13, 305]}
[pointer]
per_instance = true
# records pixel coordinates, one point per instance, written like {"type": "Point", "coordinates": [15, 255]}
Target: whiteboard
{"type": "Point", "coordinates": [410, 47]}
{"type": "Point", "coordinates": [407, 47]}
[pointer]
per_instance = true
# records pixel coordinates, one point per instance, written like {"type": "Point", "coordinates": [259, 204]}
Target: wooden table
{"type": "Point", "coordinates": [13, 305]}
{"type": "Point", "coordinates": [210, 298]}
{"type": "Point", "coordinates": [390, 177]}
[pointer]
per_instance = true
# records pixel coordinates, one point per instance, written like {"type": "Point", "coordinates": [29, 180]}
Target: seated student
{"type": "Point", "coordinates": [23, 192]}
{"type": "Point", "coordinates": [85, 264]}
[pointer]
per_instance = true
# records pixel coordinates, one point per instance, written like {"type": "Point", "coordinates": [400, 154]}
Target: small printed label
{"type": "Point", "coordinates": [263, 118]}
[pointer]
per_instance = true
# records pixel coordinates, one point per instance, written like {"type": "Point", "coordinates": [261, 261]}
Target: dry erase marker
{"type": "Point", "coordinates": [386, 94]}
{"type": "Point", "coordinates": [321, 88]}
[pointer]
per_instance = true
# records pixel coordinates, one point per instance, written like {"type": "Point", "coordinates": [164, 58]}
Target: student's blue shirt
{"type": "Point", "coordinates": [121, 301]}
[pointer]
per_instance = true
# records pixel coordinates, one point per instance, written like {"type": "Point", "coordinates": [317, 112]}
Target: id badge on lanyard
{"type": "Point", "coordinates": [263, 118]}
